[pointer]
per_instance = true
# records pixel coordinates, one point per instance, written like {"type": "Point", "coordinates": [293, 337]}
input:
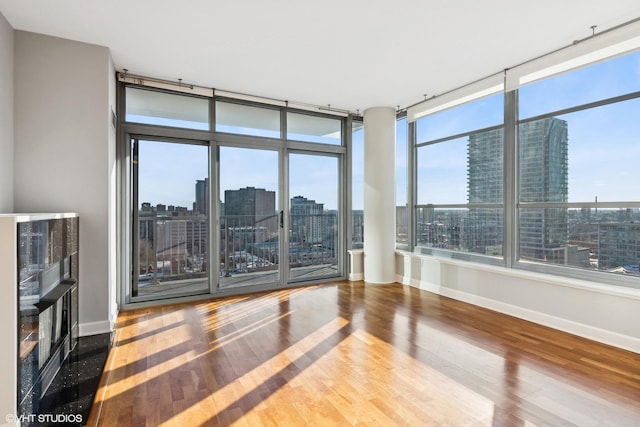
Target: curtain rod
{"type": "Point", "coordinates": [180, 86]}
{"type": "Point", "coordinates": [537, 58]}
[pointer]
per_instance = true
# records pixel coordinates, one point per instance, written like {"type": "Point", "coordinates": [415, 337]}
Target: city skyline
{"type": "Point", "coordinates": [168, 172]}
{"type": "Point", "coordinates": [200, 185]}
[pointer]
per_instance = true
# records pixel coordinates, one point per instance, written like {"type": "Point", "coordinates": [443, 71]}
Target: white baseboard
{"type": "Point", "coordinates": [402, 279]}
{"type": "Point", "coordinates": [96, 328]}
{"type": "Point", "coordinates": [354, 277]}
{"type": "Point", "coordinates": [607, 337]}
{"type": "Point", "coordinates": [113, 318]}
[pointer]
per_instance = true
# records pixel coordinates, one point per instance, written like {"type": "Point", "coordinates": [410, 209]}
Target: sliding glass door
{"type": "Point", "coordinates": [256, 248]}
{"type": "Point", "coordinates": [222, 196]}
{"type": "Point", "coordinates": [170, 218]}
{"type": "Point", "coordinates": [264, 218]}
{"type": "Point", "coordinates": [250, 217]}
{"type": "Point", "coordinates": [313, 216]}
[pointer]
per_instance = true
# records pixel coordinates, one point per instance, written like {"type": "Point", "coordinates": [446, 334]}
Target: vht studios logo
{"type": "Point", "coordinates": [45, 418]}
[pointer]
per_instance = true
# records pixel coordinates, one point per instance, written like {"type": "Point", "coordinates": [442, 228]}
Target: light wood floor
{"type": "Point", "coordinates": [348, 354]}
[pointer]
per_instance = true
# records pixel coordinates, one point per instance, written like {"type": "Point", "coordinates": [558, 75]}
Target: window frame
{"type": "Point", "coordinates": [214, 139]}
{"type": "Point", "coordinates": [564, 270]}
{"type": "Point", "coordinates": [512, 205]}
{"type": "Point", "coordinates": [415, 145]}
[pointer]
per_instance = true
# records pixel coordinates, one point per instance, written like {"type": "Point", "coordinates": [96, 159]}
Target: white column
{"type": "Point", "coordinates": [379, 194]}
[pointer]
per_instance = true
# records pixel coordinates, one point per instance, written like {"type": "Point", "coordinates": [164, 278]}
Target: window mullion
{"type": "Point", "coordinates": [510, 237]}
{"type": "Point", "coordinates": [412, 187]}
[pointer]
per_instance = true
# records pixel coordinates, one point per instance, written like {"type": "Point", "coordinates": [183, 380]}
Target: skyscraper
{"type": "Point", "coordinates": [202, 196]}
{"type": "Point", "coordinates": [306, 220]}
{"type": "Point", "coordinates": [544, 175]}
{"type": "Point", "coordinates": [543, 178]}
{"type": "Point", "coordinates": [481, 232]}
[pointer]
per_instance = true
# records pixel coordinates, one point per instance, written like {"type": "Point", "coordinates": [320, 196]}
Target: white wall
{"type": "Point", "coordinates": [6, 116]}
{"type": "Point", "coordinates": [65, 154]}
{"type": "Point", "coordinates": [604, 313]}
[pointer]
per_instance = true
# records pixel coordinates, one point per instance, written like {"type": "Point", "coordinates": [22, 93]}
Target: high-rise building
{"type": "Point", "coordinates": [482, 232]}
{"type": "Point", "coordinates": [251, 208]}
{"type": "Point", "coordinates": [202, 196]}
{"type": "Point", "coordinates": [171, 245]}
{"type": "Point", "coordinates": [306, 220]}
{"type": "Point", "coordinates": [357, 233]}
{"type": "Point", "coordinates": [402, 224]}
{"type": "Point", "coordinates": [618, 245]}
{"type": "Point", "coordinates": [543, 178]}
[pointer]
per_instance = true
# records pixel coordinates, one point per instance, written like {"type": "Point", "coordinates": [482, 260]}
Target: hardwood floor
{"type": "Point", "coordinates": [349, 354]}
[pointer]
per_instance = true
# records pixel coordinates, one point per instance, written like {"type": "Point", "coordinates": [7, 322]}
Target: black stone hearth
{"type": "Point", "coordinates": [74, 387]}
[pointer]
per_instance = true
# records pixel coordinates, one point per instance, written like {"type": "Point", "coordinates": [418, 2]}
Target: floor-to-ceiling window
{"type": "Point", "coordinates": [223, 194]}
{"type": "Point", "coordinates": [402, 201]}
{"type": "Point", "coordinates": [250, 233]}
{"type": "Point", "coordinates": [357, 185]}
{"type": "Point", "coordinates": [315, 176]}
{"type": "Point", "coordinates": [314, 207]}
{"type": "Point", "coordinates": [171, 230]}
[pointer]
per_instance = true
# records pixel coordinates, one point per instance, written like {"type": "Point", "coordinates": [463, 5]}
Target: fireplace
{"type": "Point", "coordinates": [47, 287]}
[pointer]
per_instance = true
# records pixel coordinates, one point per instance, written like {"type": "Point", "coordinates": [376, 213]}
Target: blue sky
{"type": "Point", "coordinates": [604, 148]}
{"type": "Point", "coordinates": [168, 173]}
{"type": "Point", "coordinates": [604, 142]}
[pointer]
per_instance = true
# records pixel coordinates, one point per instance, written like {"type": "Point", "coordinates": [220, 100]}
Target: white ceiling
{"type": "Point", "coordinates": [351, 54]}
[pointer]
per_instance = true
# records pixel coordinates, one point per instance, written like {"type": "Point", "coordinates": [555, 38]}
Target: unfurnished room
{"type": "Point", "coordinates": [291, 213]}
